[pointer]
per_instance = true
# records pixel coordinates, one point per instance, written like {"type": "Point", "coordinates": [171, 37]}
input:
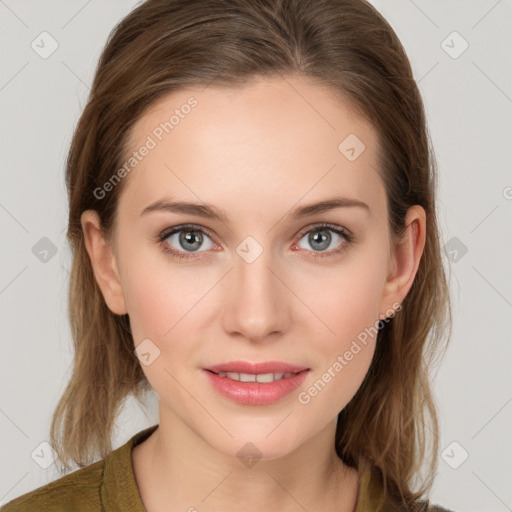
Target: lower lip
{"type": "Point", "coordinates": [256, 393]}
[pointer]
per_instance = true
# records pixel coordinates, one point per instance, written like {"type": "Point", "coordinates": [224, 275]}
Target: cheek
{"type": "Point", "coordinates": [165, 302]}
{"type": "Point", "coordinates": [349, 306]}
{"type": "Point", "coordinates": [161, 306]}
{"type": "Point", "coordinates": [159, 293]}
{"type": "Point", "coordinates": [349, 302]}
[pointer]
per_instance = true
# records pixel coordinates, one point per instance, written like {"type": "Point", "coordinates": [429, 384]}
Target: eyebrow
{"type": "Point", "coordinates": [210, 211]}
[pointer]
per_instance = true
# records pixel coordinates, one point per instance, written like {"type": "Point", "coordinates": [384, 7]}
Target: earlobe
{"type": "Point", "coordinates": [103, 262]}
{"type": "Point", "coordinates": [406, 257]}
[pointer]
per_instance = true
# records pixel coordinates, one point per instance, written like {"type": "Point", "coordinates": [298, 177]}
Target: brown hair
{"type": "Point", "coordinates": [166, 45]}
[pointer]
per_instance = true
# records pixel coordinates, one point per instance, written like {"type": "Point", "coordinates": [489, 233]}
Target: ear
{"type": "Point", "coordinates": [405, 260]}
{"type": "Point", "coordinates": [103, 262]}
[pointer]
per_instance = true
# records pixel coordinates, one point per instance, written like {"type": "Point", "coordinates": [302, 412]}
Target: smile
{"type": "Point", "coordinates": [260, 377]}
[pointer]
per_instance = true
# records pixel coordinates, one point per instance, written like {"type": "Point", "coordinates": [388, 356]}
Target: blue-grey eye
{"type": "Point", "coordinates": [320, 239]}
{"type": "Point", "coordinates": [189, 240]}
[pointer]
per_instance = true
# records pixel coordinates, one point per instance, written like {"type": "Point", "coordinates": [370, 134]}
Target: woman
{"type": "Point", "coordinates": [254, 236]}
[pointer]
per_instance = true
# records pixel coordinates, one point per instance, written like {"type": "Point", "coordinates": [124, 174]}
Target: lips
{"type": "Point", "coordinates": [257, 368]}
{"type": "Point", "coordinates": [256, 393]}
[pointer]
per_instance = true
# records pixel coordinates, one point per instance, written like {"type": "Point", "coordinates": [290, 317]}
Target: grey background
{"type": "Point", "coordinates": [469, 105]}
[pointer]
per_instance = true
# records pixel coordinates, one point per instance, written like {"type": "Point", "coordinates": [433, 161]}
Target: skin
{"type": "Point", "coordinates": [255, 152]}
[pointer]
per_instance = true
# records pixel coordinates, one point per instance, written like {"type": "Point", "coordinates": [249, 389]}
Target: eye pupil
{"type": "Point", "coordinates": [192, 237]}
{"type": "Point", "coordinates": [324, 240]}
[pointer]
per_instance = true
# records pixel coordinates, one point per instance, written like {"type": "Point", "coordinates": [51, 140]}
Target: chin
{"type": "Point", "coordinates": [256, 447]}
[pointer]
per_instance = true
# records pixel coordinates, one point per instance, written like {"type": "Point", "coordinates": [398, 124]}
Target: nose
{"type": "Point", "coordinates": [256, 303]}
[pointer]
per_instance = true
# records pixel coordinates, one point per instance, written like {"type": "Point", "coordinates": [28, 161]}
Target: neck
{"type": "Point", "coordinates": [178, 470]}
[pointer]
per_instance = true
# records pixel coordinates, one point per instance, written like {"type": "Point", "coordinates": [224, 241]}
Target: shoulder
{"type": "Point", "coordinates": [371, 494]}
{"type": "Point", "coordinates": [106, 485]}
{"type": "Point", "coordinates": [76, 491]}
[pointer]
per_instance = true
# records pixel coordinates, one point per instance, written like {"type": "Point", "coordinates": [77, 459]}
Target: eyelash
{"type": "Point", "coordinates": [180, 255]}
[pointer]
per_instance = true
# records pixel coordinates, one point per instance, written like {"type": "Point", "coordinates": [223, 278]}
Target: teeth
{"type": "Point", "coordinates": [261, 377]}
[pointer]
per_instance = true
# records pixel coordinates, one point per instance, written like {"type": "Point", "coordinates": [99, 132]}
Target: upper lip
{"type": "Point", "coordinates": [257, 368]}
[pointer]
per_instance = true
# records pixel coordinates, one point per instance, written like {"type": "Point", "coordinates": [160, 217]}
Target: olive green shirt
{"type": "Point", "coordinates": [109, 485]}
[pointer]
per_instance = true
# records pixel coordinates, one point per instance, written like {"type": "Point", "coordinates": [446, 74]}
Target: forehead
{"type": "Point", "coordinates": [277, 140]}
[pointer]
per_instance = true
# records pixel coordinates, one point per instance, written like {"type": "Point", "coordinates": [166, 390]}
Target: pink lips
{"type": "Point", "coordinates": [256, 393]}
{"type": "Point", "coordinates": [255, 368]}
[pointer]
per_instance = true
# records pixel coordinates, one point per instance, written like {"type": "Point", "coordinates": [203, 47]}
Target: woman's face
{"type": "Point", "coordinates": [262, 283]}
